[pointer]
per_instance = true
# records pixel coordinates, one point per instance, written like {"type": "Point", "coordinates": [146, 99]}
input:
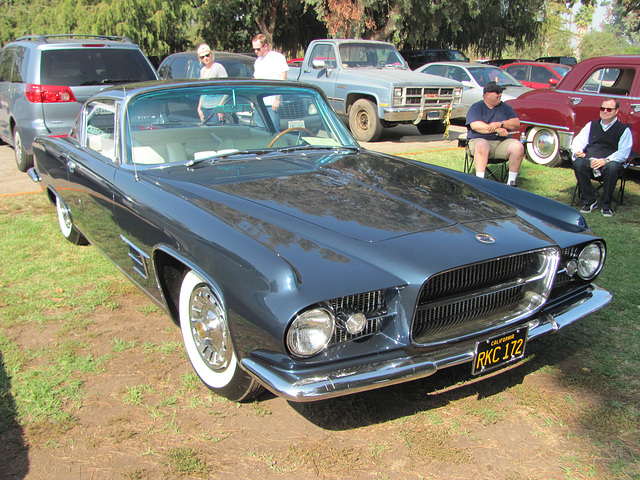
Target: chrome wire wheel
{"type": "Point", "coordinates": [209, 329]}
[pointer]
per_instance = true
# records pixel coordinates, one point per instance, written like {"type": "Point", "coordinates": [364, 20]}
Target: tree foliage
{"type": "Point", "coordinates": [485, 27]}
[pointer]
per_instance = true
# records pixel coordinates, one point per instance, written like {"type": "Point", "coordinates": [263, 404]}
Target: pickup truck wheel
{"type": "Point", "coordinates": [68, 230]}
{"type": "Point", "coordinates": [206, 336]}
{"type": "Point", "coordinates": [364, 122]}
{"type": "Point", "coordinates": [543, 147]}
{"type": "Point", "coordinates": [23, 160]}
{"type": "Point", "coordinates": [430, 127]}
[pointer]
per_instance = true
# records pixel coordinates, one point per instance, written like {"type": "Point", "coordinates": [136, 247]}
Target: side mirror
{"type": "Point", "coordinates": [318, 64]}
{"type": "Point", "coordinates": [554, 81]}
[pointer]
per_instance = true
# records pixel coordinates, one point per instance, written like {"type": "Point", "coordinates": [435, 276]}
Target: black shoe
{"type": "Point", "coordinates": [589, 208]}
{"type": "Point", "coordinates": [607, 212]}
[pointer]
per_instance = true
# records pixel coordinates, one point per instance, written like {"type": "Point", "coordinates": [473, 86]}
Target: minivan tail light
{"type": "Point", "coordinates": [48, 93]}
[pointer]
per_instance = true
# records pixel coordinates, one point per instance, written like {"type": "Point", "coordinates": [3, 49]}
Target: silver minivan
{"type": "Point", "coordinates": [45, 79]}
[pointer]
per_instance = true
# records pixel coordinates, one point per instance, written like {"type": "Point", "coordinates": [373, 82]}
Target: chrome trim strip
{"type": "Point", "coordinates": [594, 94]}
{"type": "Point", "coordinates": [396, 367]}
{"type": "Point", "coordinates": [548, 125]}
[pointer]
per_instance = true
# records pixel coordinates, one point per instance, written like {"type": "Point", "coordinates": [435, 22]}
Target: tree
{"type": "Point", "coordinates": [596, 44]}
{"type": "Point", "coordinates": [230, 24]}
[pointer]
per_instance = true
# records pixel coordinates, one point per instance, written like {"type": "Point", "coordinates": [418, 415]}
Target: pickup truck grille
{"type": "Point", "coordinates": [459, 303]}
{"type": "Point", "coordinates": [433, 96]}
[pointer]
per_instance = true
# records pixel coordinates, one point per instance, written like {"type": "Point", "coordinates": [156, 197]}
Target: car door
{"type": "Point", "coordinates": [521, 73]}
{"type": "Point", "coordinates": [320, 68]}
{"type": "Point", "coordinates": [7, 87]}
{"type": "Point", "coordinates": [91, 168]}
{"type": "Point", "coordinates": [619, 82]}
{"type": "Point", "coordinates": [541, 77]}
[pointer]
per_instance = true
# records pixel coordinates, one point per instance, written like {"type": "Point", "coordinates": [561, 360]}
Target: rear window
{"type": "Point", "coordinates": [94, 66]}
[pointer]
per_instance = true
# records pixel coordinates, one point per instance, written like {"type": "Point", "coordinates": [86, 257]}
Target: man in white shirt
{"type": "Point", "coordinates": [270, 65]}
{"type": "Point", "coordinates": [601, 148]}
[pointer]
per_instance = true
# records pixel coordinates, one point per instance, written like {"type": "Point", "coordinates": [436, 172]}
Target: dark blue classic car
{"type": "Point", "coordinates": [295, 260]}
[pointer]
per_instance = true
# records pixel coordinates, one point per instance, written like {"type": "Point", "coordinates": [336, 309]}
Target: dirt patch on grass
{"type": "Point", "coordinates": [144, 415]}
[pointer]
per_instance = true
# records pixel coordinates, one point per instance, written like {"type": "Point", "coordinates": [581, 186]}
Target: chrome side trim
{"type": "Point", "coordinates": [548, 125]}
{"type": "Point", "coordinates": [339, 379]}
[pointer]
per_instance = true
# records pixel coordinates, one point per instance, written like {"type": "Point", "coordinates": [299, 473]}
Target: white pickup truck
{"type": "Point", "coordinates": [370, 83]}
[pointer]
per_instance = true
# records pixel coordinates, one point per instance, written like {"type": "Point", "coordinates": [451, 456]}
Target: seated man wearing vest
{"type": "Point", "coordinates": [601, 148]}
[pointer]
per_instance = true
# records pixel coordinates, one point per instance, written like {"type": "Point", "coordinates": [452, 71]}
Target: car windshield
{"type": "Point", "coordinates": [214, 121]}
{"type": "Point", "coordinates": [560, 70]}
{"type": "Point", "coordinates": [367, 55]}
{"type": "Point", "coordinates": [484, 75]}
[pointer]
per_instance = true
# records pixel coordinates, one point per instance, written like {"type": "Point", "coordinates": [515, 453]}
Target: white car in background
{"type": "Point", "coordinates": [474, 76]}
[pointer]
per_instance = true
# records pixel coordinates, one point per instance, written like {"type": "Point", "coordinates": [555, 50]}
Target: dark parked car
{"type": "Point", "coordinates": [564, 60]}
{"type": "Point", "coordinates": [187, 65]}
{"type": "Point", "coordinates": [499, 62]}
{"type": "Point", "coordinates": [537, 74]}
{"type": "Point", "coordinates": [552, 117]}
{"type": "Point", "coordinates": [417, 58]}
{"type": "Point", "coordinates": [296, 260]}
{"type": "Point", "coordinates": [45, 79]}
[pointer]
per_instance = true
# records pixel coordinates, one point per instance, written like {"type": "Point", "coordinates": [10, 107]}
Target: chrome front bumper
{"type": "Point", "coordinates": [392, 368]}
{"type": "Point", "coordinates": [409, 114]}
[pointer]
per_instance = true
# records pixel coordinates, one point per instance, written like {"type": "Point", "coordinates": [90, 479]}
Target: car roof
{"type": "Point", "coordinates": [459, 64]}
{"type": "Point", "coordinates": [542, 64]}
{"type": "Point", "coordinates": [118, 92]}
{"type": "Point", "coordinates": [44, 41]}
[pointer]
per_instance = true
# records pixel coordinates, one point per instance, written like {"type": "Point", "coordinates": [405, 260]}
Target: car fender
{"type": "Point", "coordinates": [533, 112]}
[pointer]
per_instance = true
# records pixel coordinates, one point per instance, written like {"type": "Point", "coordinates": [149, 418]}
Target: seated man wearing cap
{"type": "Point", "coordinates": [489, 122]}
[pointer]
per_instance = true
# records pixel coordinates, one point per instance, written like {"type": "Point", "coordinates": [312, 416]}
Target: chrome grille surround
{"type": "Point", "coordinates": [434, 96]}
{"type": "Point", "coordinates": [475, 299]}
{"type": "Point", "coordinates": [371, 304]}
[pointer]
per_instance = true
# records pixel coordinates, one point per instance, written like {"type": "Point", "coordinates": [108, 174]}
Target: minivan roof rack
{"type": "Point", "coordinates": [46, 38]}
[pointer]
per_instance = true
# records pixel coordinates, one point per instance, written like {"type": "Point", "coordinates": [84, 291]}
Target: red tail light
{"type": "Point", "coordinates": [48, 93]}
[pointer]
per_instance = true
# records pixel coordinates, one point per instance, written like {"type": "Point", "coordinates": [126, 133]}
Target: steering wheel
{"type": "Point", "coordinates": [300, 129]}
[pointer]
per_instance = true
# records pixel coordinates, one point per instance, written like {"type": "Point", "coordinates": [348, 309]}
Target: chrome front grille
{"type": "Point", "coordinates": [433, 96]}
{"type": "Point", "coordinates": [473, 299]}
{"type": "Point", "coordinates": [292, 109]}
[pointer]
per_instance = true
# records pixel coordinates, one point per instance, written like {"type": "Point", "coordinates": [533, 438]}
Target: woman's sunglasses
{"type": "Point", "coordinates": [202, 57]}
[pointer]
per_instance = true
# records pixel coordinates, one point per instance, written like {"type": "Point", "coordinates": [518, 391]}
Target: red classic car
{"type": "Point", "coordinates": [551, 117]}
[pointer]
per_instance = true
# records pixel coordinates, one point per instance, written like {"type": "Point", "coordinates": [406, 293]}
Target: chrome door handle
{"type": "Point", "coordinates": [635, 107]}
{"type": "Point", "coordinates": [71, 166]}
{"type": "Point", "coordinates": [575, 100]}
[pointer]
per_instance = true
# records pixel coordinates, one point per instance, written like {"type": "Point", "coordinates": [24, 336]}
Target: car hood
{"type": "Point", "coordinates": [398, 76]}
{"type": "Point", "coordinates": [514, 92]}
{"type": "Point", "coordinates": [367, 197]}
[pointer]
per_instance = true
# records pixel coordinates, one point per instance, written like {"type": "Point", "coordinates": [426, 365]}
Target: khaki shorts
{"type": "Point", "coordinates": [498, 147]}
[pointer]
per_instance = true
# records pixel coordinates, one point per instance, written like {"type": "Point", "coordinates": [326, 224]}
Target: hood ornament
{"type": "Point", "coordinates": [485, 238]}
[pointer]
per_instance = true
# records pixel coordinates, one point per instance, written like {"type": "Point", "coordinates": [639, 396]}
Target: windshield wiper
{"type": "Point", "coordinates": [118, 80]}
{"type": "Point", "coordinates": [225, 154]}
{"type": "Point", "coordinates": [318, 147]}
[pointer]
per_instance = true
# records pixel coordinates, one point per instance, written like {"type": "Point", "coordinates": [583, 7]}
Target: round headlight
{"type": "Point", "coordinates": [590, 260]}
{"type": "Point", "coordinates": [310, 332]}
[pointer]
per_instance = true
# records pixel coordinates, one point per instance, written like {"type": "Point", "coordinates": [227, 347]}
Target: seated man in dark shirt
{"type": "Point", "coordinates": [489, 122]}
{"type": "Point", "coordinates": [601, 148]}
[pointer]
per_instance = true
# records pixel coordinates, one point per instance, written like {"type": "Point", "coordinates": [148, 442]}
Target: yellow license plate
{"type": "Point", "coordinates": [499, 350]}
